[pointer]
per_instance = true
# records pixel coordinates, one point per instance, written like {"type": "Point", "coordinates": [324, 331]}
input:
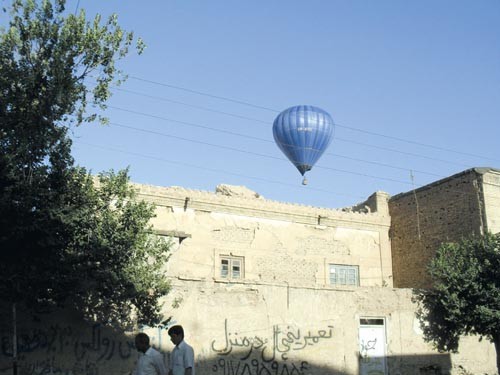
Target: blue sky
{"type": "Point", "coordinates": [424, 71]}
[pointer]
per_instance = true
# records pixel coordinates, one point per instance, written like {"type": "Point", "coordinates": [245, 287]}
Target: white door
{"type": "Point", "coordinates": [372, 346]}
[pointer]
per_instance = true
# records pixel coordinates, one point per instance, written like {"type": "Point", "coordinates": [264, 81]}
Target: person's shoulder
{"type": "Point", "coordinates": [183, 345]}
{"type": "Point", "coordinates": [152, 352]}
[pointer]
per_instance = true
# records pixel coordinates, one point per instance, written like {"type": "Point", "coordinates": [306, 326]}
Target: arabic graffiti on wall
{"type": "Point", "coordinates": [38, 349]}
{"type": "Point", "coordinates": [226, 366]}
{"type": "Point", "coordinates": [72, 349]}
{"type": "Point", "coordinates": [259, 355]}
{"type": "Point", "coordinates": [62, 340]}
{"type": "Point", "coordinates": [50, 366]}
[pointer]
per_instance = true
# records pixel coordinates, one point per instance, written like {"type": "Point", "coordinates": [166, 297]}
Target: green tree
{"type": "Point", "coordinates": [67, 239]}
{"type": "Point", "coordinates": [465, 298]}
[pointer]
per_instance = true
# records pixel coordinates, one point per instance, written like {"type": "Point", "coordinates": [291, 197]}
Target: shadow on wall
{"type": "Point", "coordinates": [242, 364]}
{"type": "Point", "coordinates": [229, 366]}
{"type": "Point", "coordinates": [422, 364]}
{"type": "Point", "coordinates": [63, 345]}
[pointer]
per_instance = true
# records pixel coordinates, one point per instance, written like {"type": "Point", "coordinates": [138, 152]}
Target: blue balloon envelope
{"type": "Point", "coordinates": [303, 133]}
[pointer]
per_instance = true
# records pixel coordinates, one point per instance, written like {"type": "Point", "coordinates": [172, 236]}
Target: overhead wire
{"type": "Point", "coordinates": [382, 164]}
{"type": "Point", "coordinates": [404, 153]}
{"type": "Point", "coordinates": [204, 168]}
{"type": "Point", "coordinates": [412, 183]}
{"type": "Point", "coordinates": [201, 126]}
{"type": "Point", "coordinates": [252, 105]}
{"type": "Point", "coordinates": [190, 105]}
{"type": "Point", "coordinates": [252, 153]}
{"type": "Point", "coordinates": [326, 153]}
{"type": "Point", "coordinates": [192, 124]}
{"type": "Point", "coordinates": [266, 140]}
{"type": "Point", "coordinates": [112, 149]}
{"type": "Point", "coordinates": [417, 143]}
{"type": "Point", "coordinates": [241, 151]}
{"type": "Point", "coordinates": [204, 94]}
{"type": "Point", "coordinates": [336, 138]}
{"type": "Point", "coordinates": [77, 6]}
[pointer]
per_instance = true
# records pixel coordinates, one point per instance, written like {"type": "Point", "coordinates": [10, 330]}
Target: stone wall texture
{"type": "Point", "coordinates": [277, 241]}
{"type": "Point", "coordinates": [282, 316]}
{"type": "Point", "coordinates": [285, 290]}
{"type": "Point", "coordinates": [254, 328]}
{"type": "Point", "coordinates": [446, 210]}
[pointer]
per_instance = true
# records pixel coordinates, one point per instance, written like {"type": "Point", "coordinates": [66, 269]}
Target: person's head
{"type": "Point", "coordinates": [142, 342]}
{"type": "Point", "coordinates": [176, 334]}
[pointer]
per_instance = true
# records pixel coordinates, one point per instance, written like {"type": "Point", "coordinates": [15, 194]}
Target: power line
{"type": "Point", "coordinates": [255, 153]}
{"type": "Point", "coordinates": [416, 143]}
{"type": "Point", "coordinates": [112, 149]}
{"type": "Point", "coordinates": [189, 123]}
{"type": "Point", "coordinates": [195, 141]}
{"type": "Point", "coordinates": [337, 138]}
{"type": "Point", "coordinates": [192, 105]}
{"type": "Point", "coordinates": [77, 6]}
{"type": "Point", "coordinates": [215, 170]}
{"type": "Point", "coordinates": [337, 124]}
{"type": "Point", "coordinates": [403, 152]}
{"type": "Point", "coordinates": [192, 124]}
{"type": "Point", "coordinates": [204, 94]}
{"type": "Point", "coordinates": [382, 164]}
{"type": "Point", "coordinates": [266, 140]}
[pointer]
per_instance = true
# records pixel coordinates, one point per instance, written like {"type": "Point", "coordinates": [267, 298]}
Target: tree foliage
{"type": "Point", "coordinates": [465, 298]}
{"type": "Point", "coordinates": [67, 239]}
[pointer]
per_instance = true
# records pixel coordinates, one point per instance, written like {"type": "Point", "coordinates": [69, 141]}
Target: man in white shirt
{"type": "Point", "coordinates": [150, 360]}
{"type": "Point", "coordinates": [182, 357]}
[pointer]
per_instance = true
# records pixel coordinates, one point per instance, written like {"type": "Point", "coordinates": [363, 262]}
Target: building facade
{"type": "Point", "coordinates": [270, 288]}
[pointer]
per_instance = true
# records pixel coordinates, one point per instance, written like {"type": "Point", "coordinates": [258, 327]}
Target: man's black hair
{"type": "Point", "coordinates": [176, 330]}
{"type": "Point", "coordinates": [142, 337]}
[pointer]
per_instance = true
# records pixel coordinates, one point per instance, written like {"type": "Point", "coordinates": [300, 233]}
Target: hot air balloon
{"type": "Point", "coordinates": [303, 133]}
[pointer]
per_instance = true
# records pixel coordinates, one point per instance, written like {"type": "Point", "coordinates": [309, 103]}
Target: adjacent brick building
{"type": "Point", "coordinates": [446, 210]}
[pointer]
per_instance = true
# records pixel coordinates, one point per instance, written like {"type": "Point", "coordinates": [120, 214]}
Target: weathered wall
{"type": "Point", "coordinates": [315, 331]}
{"type": "Point", "coordinates": [446, 210]}
{"type": "Point", "coordinates": [64, 344]}
{"type": "Point", "coordinates": [255, 329]}
{"type": "Point", "coordinates": [285, 287]}
{"type": "Point", "coordinates": [283, 316]}
{"type": "Point", "coordinates": [277, 241]}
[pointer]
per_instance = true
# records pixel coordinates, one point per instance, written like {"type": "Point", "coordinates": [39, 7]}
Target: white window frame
{"type": "Point", "coordinates": [343, 274]}
{"type": "Point", "coordinates": [233, 263]}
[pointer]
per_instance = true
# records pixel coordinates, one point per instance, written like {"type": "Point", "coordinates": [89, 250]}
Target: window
{"type": "Point", "coordinates": [231, 267]}
{"type": "Point", "coordinates": [371, 321]}
{"type": "Point", "coordinates": [344, 275]}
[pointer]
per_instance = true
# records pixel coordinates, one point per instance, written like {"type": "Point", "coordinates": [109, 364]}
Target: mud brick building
{"type": "Point", "coordinates": [273, 288]}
